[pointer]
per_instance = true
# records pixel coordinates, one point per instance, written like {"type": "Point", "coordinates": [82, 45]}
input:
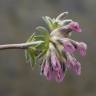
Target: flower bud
{"type": "Point", "coordinates": [55, 62]}
{"type": "Point", "coordinates": [74, 26]}
{"type": "Point", "coordinates": [68, 47]}
{"type": "Point", "coordinates": [82, 48]}
{"type": "Point", "coordinates": [47, 71]}
{"type": "Point", "coordinates": [73, 65]}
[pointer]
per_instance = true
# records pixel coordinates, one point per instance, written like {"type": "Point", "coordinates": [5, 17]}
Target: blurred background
{"type": "Point", "coordinates": [18, 19]}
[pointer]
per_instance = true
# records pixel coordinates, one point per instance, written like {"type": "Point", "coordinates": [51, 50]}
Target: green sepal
{"type": "Point", "coordinates": [30, 39]}
{"type": "Point", "coordinates": [36, 52]}
{"type": "Point", "coordinates": [40, 30]}
{"type": "Point", "coordinates": [48, 21]}
{"type": "Point", "coordinates": [52, 23]}
{"type": "Point", "coordinates": [30, 56]}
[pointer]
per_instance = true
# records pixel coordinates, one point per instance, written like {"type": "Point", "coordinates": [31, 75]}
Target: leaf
{"type": "Point", "coordinates": [31, 37]}
{"type": "Point", "coordinates": [26, 55]}
{"type": "Point", "coordinates": [42, 54]}
{"type": "Point", "coordinates": [30, 56]}
{"type": "Point", "coordinates": [56, 25]}
{"type": "Point", "coordinates": [52, 23]}
{"type": "Point", "coordinates": [48, 21]}
{"type": "Point", "coordinates": [62, 16]}
{"type": "Point", "coordinates": [32, 53]}
{"type": "Point", "coordinates": [41, 29]}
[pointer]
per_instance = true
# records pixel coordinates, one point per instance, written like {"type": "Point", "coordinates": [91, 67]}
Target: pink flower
{"type": "Point", "coordinates": [74, 26]}
{"type": "Point", "coordinates": [53, 69]}
{"type": "Point", "coordinates": [68, 46]}
{"type": "Point", "coordinates": [74, 65]}
{"type": "Point", "coordinates": [82, 47]}
{"type": "Point", "coordinates": [59, 54]}
{"type": "Point", "coordinates": [55, 62]}
{"type": "Point", "coordinates": [59, 75]}
{"type": "Point", "coordinates": [47, 72]}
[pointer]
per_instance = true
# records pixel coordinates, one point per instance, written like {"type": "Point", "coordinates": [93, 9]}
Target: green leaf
{"type": "Point", "coordinates": [41, 29]}
{"type": "Point", "coordinates": [39, 50]}
{"type": "Point", "coordinates": [52, 23]}
{"type": "Point", "coordinates": [31, 37]}
{"type": "Point", "coordinates": [42, 54]}
{"type": "Point", "coordinates": [62, 16]}
{"type": "Point", "coordinates": [26, 55]}
{"type": "Point", "coordinates": [30, 56]}
{"type": "Point", "coordinates": [48, 21]}
{"type": "Point", "coordinates": [56, 25]}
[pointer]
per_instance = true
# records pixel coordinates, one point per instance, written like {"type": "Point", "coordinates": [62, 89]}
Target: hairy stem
{"type": "Point", "coordinates": [20, 45]}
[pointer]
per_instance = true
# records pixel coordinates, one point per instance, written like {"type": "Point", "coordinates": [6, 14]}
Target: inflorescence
{"type": "Point", "coordinates": [58, 49]}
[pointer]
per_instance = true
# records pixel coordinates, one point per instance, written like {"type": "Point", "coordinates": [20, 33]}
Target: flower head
{"type": "Point", "coordinates": [74, 26]}
{"type": "Point", "coordinates": [62, 49]}
{"type": "Point", "coordinates": [57, 50]}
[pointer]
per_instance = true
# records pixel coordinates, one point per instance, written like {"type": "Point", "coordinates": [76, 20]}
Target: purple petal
{"type": "Point", "coordinates": [55, 62]}
{"type": "Point", "coordinates": [74, 65]}
{"type": "Point", "coordinates": [82, 48]}
{"type": "Point", "coordinates": [74, 26]}
{"type": "Point", "coordinates": [68, 47]}
{"type": "Point", "coordinates": [59, 75]}
{"type": "Point", "coordinates": [47, 71]}
{"type": "Point", "coordinates": [78, 68]}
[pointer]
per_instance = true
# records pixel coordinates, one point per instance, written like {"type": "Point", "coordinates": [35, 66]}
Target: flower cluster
{"type": "Point", "coordinates": [60, 54]}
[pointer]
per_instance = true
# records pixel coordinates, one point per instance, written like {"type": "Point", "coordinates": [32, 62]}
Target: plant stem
{"type": "Point", "coordinates": [20, 45]}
